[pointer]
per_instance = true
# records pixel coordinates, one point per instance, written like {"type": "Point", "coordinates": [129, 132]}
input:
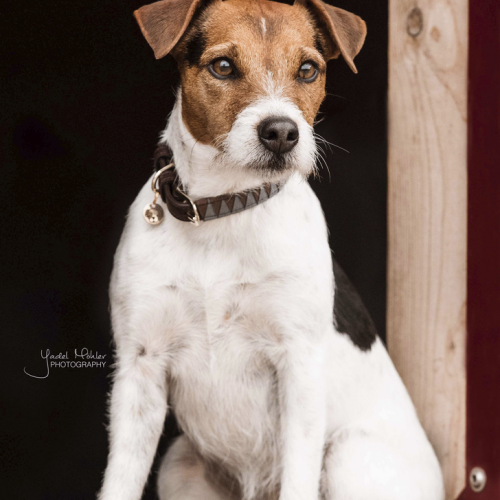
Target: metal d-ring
{"type": "Point", "coordinates": [154, 213]}
{"type": "Point", "coordinates": [157, 176]}
{"type": "Point", "coordinates": [196, 219]}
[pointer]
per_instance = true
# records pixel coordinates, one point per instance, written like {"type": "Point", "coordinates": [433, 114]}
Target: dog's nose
{"type": "Point", "coordinates": [278, 134]}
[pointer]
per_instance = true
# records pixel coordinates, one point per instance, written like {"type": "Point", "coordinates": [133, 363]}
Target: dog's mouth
{"type": "Point", "coordinates": [271, 163]}
{"type": "Point", "coordinates": [261, 161]}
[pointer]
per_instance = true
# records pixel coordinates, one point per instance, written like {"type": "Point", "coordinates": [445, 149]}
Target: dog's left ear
{"type": "Point", "coordinates": [163, 23]}
{"type": "Point", "coordinates": [346, 32]}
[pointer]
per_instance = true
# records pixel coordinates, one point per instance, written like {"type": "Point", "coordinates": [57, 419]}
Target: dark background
{"type": "Point", "coordinates": [82, 101]}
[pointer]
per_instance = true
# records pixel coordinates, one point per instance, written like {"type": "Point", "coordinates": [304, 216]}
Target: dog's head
{"type": "Point", "coordinates": [253, 73]}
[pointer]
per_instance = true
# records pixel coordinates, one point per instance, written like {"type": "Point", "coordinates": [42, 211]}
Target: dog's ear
{"type": "Point", "coordinates": [346, 32]}
{"type": "Point", "coordinates": [163, 23]}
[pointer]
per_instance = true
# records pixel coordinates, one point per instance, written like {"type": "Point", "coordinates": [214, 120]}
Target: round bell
{"type": "Point", "coordinates": [153, 214]}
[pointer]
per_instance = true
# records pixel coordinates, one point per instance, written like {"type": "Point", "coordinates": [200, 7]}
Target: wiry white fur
{"type": "Point", "coordinates": [243, 147]}
{"type": "Point", "coordinates": [207, 171]}
{"type": "Point", "coordinates": [231, 324]}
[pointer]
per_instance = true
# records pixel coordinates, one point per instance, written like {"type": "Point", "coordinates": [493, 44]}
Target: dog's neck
{"type": "Point", "coordinates": [201, 167]}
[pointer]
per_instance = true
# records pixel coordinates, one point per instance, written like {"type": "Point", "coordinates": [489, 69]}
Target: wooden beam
{"type": "Point", "coordinates": [427, 211]}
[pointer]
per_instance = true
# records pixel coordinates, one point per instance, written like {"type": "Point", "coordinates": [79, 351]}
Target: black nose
{"type": "Point", "coordinates": [279, 135]}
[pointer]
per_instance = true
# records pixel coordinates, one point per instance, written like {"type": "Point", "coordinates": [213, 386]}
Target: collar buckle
{"type": "Point", "coordinates": [196, 219]}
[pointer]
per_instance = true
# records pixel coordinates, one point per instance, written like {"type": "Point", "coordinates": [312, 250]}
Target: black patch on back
{"type": "Point", "coordinates": [350, 315]}
{"type": "Point", "coordinates": [195, 48]}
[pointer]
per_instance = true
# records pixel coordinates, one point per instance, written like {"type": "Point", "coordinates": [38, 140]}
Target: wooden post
{"type": "Point", "coordinates": [427, 202]}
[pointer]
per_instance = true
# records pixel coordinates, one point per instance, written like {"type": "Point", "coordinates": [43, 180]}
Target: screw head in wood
{"type": "Point", "coordinates": [477, 479]}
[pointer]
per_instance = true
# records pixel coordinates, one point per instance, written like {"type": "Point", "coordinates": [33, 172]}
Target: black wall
{"type": "Point", "coordinates": [82, 101]}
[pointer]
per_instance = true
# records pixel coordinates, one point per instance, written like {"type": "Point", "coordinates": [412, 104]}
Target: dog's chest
{"type": "Point", "coordinates": [222, 383]}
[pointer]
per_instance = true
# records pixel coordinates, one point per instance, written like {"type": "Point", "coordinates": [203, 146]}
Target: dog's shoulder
{"type": "Point", "coordinates": [350, 314]}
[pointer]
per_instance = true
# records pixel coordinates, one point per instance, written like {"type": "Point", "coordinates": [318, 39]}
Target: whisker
{"type": "Point", "coordinates": [321, 159]}
{"type": "Point", "coordinates": [339, 96]}
{"type": "Point", "coordinates": [196, 142]}
{"type": "Point", "coordinates": [219, 140]}
{"type": "Point", "coordinates": [322, 139]}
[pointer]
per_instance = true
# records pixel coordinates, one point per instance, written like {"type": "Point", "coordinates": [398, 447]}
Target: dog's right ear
{"type": "Point", "coordinates": [163, 23]}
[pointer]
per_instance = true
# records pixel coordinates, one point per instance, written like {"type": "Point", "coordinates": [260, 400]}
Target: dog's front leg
{"type": "Point", "coordinates": [137, 413]}
{"type": "Point", "coordinates": [303, 416]}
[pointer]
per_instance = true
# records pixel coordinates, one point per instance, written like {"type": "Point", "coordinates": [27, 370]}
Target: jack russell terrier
{"type": "Point", "coordinates": [231, 312]}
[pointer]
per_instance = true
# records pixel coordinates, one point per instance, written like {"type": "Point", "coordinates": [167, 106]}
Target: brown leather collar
{"type": "Point", "coordinates": [204, 209]}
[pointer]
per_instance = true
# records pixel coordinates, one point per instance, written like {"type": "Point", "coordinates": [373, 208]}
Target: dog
{"type": "Point", "coordinates": [235, 316]}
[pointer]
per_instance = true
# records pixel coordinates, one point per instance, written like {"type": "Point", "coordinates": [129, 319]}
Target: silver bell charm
{"type": "Point", "coordinates": [153, 214]}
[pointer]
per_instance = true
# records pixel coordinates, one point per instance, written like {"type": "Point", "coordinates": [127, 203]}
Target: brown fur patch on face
{"type": "Point", "coordinates": [267, 42]}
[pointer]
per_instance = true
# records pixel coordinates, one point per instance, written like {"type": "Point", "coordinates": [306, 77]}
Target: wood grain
{"type": "Point", "coordinates": [427, 211]}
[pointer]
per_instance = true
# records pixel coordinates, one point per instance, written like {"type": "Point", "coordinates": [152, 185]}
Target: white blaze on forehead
{"type": "Point", "coordinates": [263, 25]}
{"type": "Point", "coordinates": [270, 88]}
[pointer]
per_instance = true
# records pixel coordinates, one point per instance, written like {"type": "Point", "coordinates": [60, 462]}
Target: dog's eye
{"type": "Point", "coordinates": [221, 68]}
{"type": "Point", "coordinates": [308, 72]}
